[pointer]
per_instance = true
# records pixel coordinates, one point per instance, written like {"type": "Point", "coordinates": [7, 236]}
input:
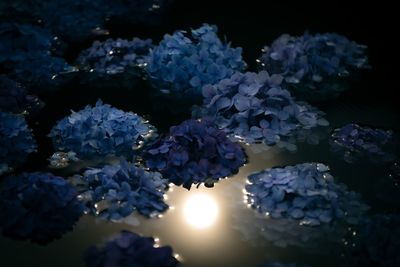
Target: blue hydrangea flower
{"type": "Point", "coordinates": [25, 53]}
{"type": "Point", "coordinates": [116, 191]}
{"type": "Point", "coordinates": [304, 192]}
{"type": "Point", "coordinates": [16, 140]}
{"type": "Point", "coordinates": [195, 152]}
{"type": "Point", "coordinates": [315, 67]}
{"type": "Point", "coordinates": [183, 64]}
{"type": "Point", "coordinates": [253, 107]}
{"type": "Point", "coordinates": [101, 130]}
{"type": "Point", "coordinates": [130, 249]}
{"type": "Point", "coordinates": [353, 142]}
{"type": "Point", "coordinates": [37, 206]}
{"type": "Point", "coordinates": [375, 242]}
{"type": "Point", "coordinates": [117, 60]}
{"type": "Point", "coordinates": [14, 97]}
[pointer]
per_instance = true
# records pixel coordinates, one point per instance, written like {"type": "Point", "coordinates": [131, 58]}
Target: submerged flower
{"type": "Point", "coordinates": [183, 64]}
{"type": "Point", "coordinates": [116, 191]}
{"type": "Point", "coordinates": [101, 130]}
{"type": "Point", "coordinates": [37, 206]}
{"type": "Point", "coordinates": [130, 249]}
{"type": "Point", "coordinates": [304, 192]}
{"type": "Point", "coordinates": [16, 140]}
{"type": "Point", "coordinates": [314, 67]}
{"type": "Point", "coordinates": [353, 141]}
{"type": "Point", "coordinates": [195, 152]}
{"type": "Point", "coordinates": [253, 107]}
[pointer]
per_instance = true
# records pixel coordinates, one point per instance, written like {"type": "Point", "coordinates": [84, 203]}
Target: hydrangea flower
{"type": "Point", "coordinates": [25, 53]}
{"type": "Point", "coordinates": [304, 192]}
{"type": "Point", "coordinates": [183, 64]}
{"type": "Point", "coordinates": [375, 243]}
{"type": "Point", "coordinates": [195, 152]}
{"type": "Point", "coordinates": [14, 97]}
{"type": "Point", "coordinates": [116, 191]}
{"type": "Point", "coordinates": [353, 141]}
{"type": "Point", "coordinates": [99, 131]}
{"type": "Point", "coordinates": [119, 59]}
{"type": "Point", "coordinates": [253, 107]}
{"type": "Point", "coordinates": [130, 249]}
{"type": "Point", "coordinates": [16, 140]}
{"type": "Point", "coordinates": [315, 67]}
{"type": "Point", "coordinates": [37, 206]}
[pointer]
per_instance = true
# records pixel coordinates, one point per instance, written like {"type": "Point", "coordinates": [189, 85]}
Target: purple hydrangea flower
{"type": "Point", "coordinates": [14, 97]}
{"type": "Point", "coordinates": [130, 249]}
{"type": "Point", "coordinates": [253, 107]}
{"type": "Point", "coordinates": [116, 191]}
{"type": "Point", "coordinates": [37, 206]}
{"type": "Point", "coordinates": [182, 64]}
{"type": "Point", "coordinates": [304, 192]}
{"type": "Point", "coordinates": [25, 52]}
{"type": "Point", "coordinates": [16, 140]}
{"type": "Point", "coordinates": [375, 242]}
{"type": "Point", "coordinates": [101, 130]}
{"type": "Point", "coordinates": [195, 152]}
{"type": "Point", "coordinates": [353, 141]}
{"type": "Point", "coordinates": [314, 67]}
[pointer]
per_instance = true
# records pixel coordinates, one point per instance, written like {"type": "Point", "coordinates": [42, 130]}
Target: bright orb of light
{"type": "Point", "coordinates": [200, 211]}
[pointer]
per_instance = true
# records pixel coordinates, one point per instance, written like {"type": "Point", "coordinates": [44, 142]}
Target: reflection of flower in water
{"type": "Point", "coordinates": [304, 192]}
{"type": "Point", "coordinates": [375, 242]}
{"type": "Point", "coordinates": [353, 142]}
{"type": "Point", "coordinates": [116, 191]}
{"type": "Point", "coordinates": [261, 230]}
{"type": "Point", "coordinates": [38, 206]}
{"type": "Point", "coordinates": [130, 249]}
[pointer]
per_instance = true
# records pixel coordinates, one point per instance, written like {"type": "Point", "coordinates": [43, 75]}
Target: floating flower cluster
{"type": "Point", "coordinates": [38, 206]}
{"type": "Point", "coordinates": [253, 107]}
{"type": "Point", "coordinates": [14, 97]}
{"type": "Point", "coordinates": [115, 56]}
{"type": "Point", "coordinates": [304, 192]}
{"type": "Point", "coordinates": [116, 191]}
{"type": "Point", "coordinates": [130, 249]}
{"type": "Point", "coordinates": [16, 140]}
{"type": "Point", "coordinates": [375, 243]}
{"type": "Point", "coordinates": [353, 141]}
{"type": "Point", "coordinates": [25, 53]}
{"type": "Point", "coordinates": [183, 65]}
{"type": "Point", "coordinates": [314, 66]}
{"type": "Point", "coordinates": [101, 130]}
{"type": "Point", "coordinates": [195, 152]}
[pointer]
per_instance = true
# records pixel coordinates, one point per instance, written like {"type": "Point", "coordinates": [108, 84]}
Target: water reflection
{"type": "Point", "coordinates": [200, 211]}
